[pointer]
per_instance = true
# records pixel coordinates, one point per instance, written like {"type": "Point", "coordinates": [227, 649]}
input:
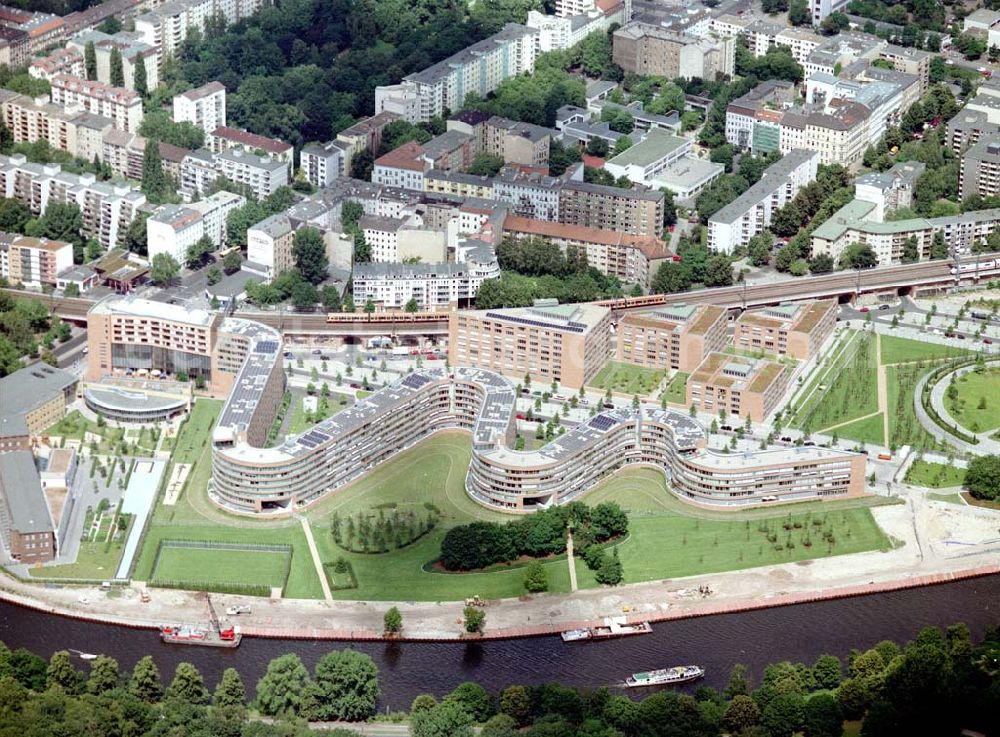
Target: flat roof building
{"type": "Point", "coordinates": [736, 385]}
{"type": "Point", "coordinates": [32, 399]}
{"type": "Point", "coordinates": [567, 344]}
{"type": "Point", "coordinates": [26, 526]}
{"type": "Point", "coordinates": [798, 329]}
{"type": "Point", "coordinates": [675, 337]}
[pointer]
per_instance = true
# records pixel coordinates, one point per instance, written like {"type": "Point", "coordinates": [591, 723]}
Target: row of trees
{"type": "Point", "coordinates": [27, 329]}
{"type": "Point", "coordinates": [938, 684]}
{"type": "Point", "coordinates": [542, 533]}
{"type": "Point", "coordinates": [368, 533]}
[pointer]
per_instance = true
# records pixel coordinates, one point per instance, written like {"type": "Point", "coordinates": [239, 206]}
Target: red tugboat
{"type": "Point", "coordinates": [225, 636]}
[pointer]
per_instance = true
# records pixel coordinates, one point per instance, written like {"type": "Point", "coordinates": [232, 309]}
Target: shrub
{"type": "Point", "coordinates": [535, 579]}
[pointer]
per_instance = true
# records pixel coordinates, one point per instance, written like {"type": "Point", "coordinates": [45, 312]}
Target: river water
{"type": "Point", "coordinates": [797, 633]}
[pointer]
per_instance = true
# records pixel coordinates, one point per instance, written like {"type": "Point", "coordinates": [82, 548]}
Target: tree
{"type": "Point", "coordinates": [474, 700]}
{"type": "Point", "coordinates": [145, 683]}
{"type": "Point", "coordinates": [535, 579]}
{"type": "Point", "coordinates": [136, 240]}
{"type": "Point", "coordinates": [759, 249]}
{"type": "Point", "coordinates": [622, 145]}
{"type": "Point", "coordinates": [823, 717]}
{"type": "Point", "coordinates": [741, 714]}
{"type": "Point", "coordinates": [310, 255]}
{"type": "Point", "coordinates": [155, 183]}
{"type": "Point", "coordinates": [982, 477]}
{"type": "Point", "coordinates": [117, 78]}
{"type": "Point", "coordinates": [618, 119]}
{"type": "Point", "coordinates": [304, 296]}
{"type": "Point", "coordinates": [104, 675]}
{"type": "Point", "coordinates": [281, 689]}
{"type": "Point", "coordinates": [669, 207]}
{"type": "Point", "coordinates": [213, 274]}
{"type": "Point", "coordinates": [140, 81]}
{"type": "Point", "coordinates": [63, 222]}
{"type": "Point", "coordinates": [188, 685]}
{"type": "Point", "coordinates": [610, 572]}
{"type": "Point", "coordinates": [90, 60]}
{"type": "Point", "coordinates": [347, 686]}
{"type": "Point", "coordinates": [597, 147]}
{"type": "Point", "coordinates": [821, 264]}
{"type": "Point", "coordinates": [164, 269]}
{"type": "Point", "coordinates": [61, 672]}
{"type": "Point", "coordinates": [474, 619]}
{"type": "Point", "coordinates": [911, 252]}
{"type": "Point", "coordinates": [232, 262]}
{"type": "Point", "coordinates": [826, 671]}
{"type": "Point", "coordinates": [939, 249]}
{"type": "Point", "coordinates": [230, 691]}
{"type": "Point", "coordinates": [392, 622]}
{"type": "Point", "coordinates": [515, 702]}
{"type": "Point", "coordinates": [412, 305]}
{"type": "Point", "coordinates": [197, 251]}
{"type": "Point", "coordinates": [486, 165]}
{"type": "Point", "coordinates": [858, 256]}
{"type": "Point", "coordinates": [782, 716]}
{"type": "Point", "coordinates": [718, 271]}
{"type": "Point", "coordinates": [447, 719]}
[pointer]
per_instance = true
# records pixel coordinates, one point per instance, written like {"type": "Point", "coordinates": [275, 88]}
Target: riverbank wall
{"type": "Point", "coordinates": [700, 608]}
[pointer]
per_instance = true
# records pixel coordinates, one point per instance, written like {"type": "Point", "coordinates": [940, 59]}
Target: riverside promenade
{"type": "Point", "coordinates": [934, 542]}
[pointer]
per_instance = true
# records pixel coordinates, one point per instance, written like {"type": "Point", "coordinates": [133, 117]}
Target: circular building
{"type": "Point", "coordinates": [141, 402]}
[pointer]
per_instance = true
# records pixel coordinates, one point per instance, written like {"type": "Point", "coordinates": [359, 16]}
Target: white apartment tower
{"type": "Point", "coordinates": [204, 107]}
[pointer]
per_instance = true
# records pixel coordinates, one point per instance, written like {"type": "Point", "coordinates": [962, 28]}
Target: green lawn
{"type": "Point", "coordinates": [905, 350]}
{"type": "Point", "coordinates": [934, 475]}
{"type": "Point", "coordinates": [207, 566]}
{"type": "Point", "coordinates": [628, 378]}
{"type": "Point", "coordinates": [869, 430]}
{"type": "Point", "coordinates": [676, 390]}
{"type": "Point", "coordinates": [977, 407]}
{"type": "Point", "coordinates": [851, 389]}
{"type": "Point", "coordinates": [665, 542]}
{"type": "Point", "coordinates": [75, 426]}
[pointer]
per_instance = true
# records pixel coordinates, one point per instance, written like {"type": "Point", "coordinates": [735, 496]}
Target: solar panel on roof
{"type": "Point", "coordinates": [415, 381]}
{"type": "Point", "coordinates": [308, 442]}
{"type": "Point", "coordinates": [266, 346]}
{"type": "Point", "coordinates": [602, 422]}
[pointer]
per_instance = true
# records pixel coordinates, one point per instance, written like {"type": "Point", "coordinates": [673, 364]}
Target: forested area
{"type": "Point", "coordinates": [304, 69]}
{"type": "Point", "coordinates": [27, 329]}
{"type": "Point", "coordinates": [938, 684]}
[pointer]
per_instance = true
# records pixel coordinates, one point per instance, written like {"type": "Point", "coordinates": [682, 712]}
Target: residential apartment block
{"type": "Point", "coordinates": [479, 68]}
{"type": "Point", "coordinates": [632, 258]}
{"type": "Point", "coordinates": [797, 329]}
{"type": "Point", "coordinates": [737, 385]}
{"type": "Point", "coordinates": [63, 61]}
{"type": "Point", "coordinates": [42, 29]}
{"type": "Point", "coordinates": [856, 222]}
{"type": "Point", "coordinates": [559, 32]}
{"type": "Point", "coordinates": [432, 285]}
{"type": "Point", "coordinates": [750, 213]}
{"type": "Point", "coordinates": [167, 24]}
{"type": "Point", "coordinates": [15, 50]}
{"type": "Point", "coordinates": [203, 107]}
{"type": "Point", "coordinates": [322, 163]}
{"type": "Point", "coordinates": [633, 211]}
{"type": "Point", "coordinates": [122, 106]}
{"type": "Point", "coordinates": [969, 126]}
{"type": "Point", "coordinates": [132, 49]}
{"type": "Point", "coordinates": [646, 49]}
{"type": "Point", "coordinates": [33, 262]}
{"type": "Point", "coordinates": [107, 209]}
{"type": "Point", "coordinates": [30, 120]}
{"type": "Point", "coordinates": [567, 344]}
{"type": "Point", "coordinates": [677, 337]}
{"type": "Point", "coordinates": [225, 138]}
{"type": "Point", "coordinates": [980, 173]}
{"type": "Point", "coordinates": [404, 238]}
{"type": "Point", "coordinates": [403, 167]}
{"type": "Point", "coordinates": [248, 478]}
{"type": "Point", "coordinates": [510, 140]}
{"type": "Point", "coordinates": [261, 174]}
{"type": "Point", "coordinates": [889, 190]}
{"type": "Point", "coordinates": [172, 229]}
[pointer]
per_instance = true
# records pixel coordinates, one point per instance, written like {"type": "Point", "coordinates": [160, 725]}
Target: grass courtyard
{"type": "Point", "coordinates": [847, 388]}
{"type": "Point", "coordinates": [627, 378]}
{"type": "Point", "coordinates": [977, 404]}
{"type": "Point", "coordinates": [934, 475]}
{"type": "Point", "coordinates": [676, 390]}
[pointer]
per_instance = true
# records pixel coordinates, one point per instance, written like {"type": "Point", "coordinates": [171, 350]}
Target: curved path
{"type": "Point", "coordinates": [987, 445]}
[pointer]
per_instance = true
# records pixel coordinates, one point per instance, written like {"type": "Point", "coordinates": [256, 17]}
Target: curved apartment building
{"type": "Point", "coordinates": [306, 467]}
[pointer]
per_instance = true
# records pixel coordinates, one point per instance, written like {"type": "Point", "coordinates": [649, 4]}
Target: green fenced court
{"type": "Point", "coordinates": [227, 567]}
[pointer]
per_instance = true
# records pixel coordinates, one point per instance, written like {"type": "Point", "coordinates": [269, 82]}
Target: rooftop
{"type": "Point", "coordinates": [27, 389]}
{"type": "Point", "coordinates": [774, 176]}
{"type": "Point", "coordinates": [21, 490]}
{"type": "Point", "coordinates": [204, 91]}
{"type": "Point", "coordinates": [138, 307]}
{"type": "Point", "coordinates": [251, 140]}
{"type": "Point", "coordinates": [657, 145]}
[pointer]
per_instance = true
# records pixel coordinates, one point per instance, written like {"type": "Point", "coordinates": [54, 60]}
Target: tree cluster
{"type": "Point", "coordinates": [26, 328]}
{"type": "Point", "coordinates": [542, 533]}
{"type": "Point", "coordinates": [369, 533]}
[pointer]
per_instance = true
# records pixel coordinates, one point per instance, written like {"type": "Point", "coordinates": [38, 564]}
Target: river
{"type": "Point", "coordinates": [797, 633]}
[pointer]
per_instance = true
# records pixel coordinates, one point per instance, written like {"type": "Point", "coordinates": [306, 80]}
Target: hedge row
{"type": "Point", "coordinates": [219, 587]}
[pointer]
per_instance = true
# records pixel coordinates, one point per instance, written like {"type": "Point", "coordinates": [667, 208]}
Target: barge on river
{"type": "Point", "coordinates": [612, 627]}
{"type": "Point", "coordinates": [224, 636]}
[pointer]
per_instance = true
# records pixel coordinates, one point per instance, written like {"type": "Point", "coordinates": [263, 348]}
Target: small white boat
{"type": "Point", "coordinates": [83, 655]}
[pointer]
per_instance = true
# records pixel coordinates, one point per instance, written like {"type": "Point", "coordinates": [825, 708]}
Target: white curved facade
{"type": "Point", "coordinates": [343, 447]}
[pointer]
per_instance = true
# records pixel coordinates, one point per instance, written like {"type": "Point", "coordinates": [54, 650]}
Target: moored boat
{"type": "Point", "coordinates": [612, 627]}
{"type": "Point", "coordinates": [226, 636]}
{"type": "Point", "coordinates": [665, 676]}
